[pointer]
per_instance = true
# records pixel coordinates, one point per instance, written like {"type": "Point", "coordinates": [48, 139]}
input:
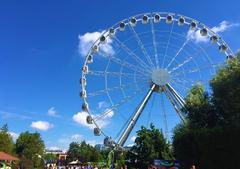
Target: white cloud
{"type": "Point", "coordinates": [86, 41]}
{"type": "Point", "coordinates": [14, 135]}
{"type": "Point", "coordinates": [41, 125]}
{"type": "Point", "coordinates": [196, 36]}
{"type": "Point", "coordinates": [92, 142]}
{"type": "Point", "coordinates": [80, 118]}
{"type": "Point", "coordinates": [109, 114]}
{"type": "Point", "coordinates": [54, 148]}
{"type": "Point", "coordinates": [52, 112]}
{"type": "Point", "coordinates": [76, 137]}
{"type": "Point", "coordinates": [133, 138]}
{"type": "Point", "coordinates": [104, 121]}
{"type": "Point", "coordinates": [222, 27]}
{"type": "Point", "coordinates": [67, 139]}
{"type": "Point", "coordinates": [102, 105]}
{"type": "Point", "coordinates": [130, 145]}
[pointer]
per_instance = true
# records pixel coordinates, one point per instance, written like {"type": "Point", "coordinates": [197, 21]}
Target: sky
{"type": "Point", "coordinates": [41, 55]}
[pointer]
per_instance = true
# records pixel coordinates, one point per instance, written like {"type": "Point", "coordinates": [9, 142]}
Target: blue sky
{"type": "Point", "coordinates": [40, 63]}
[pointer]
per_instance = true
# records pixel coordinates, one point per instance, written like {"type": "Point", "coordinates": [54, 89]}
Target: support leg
{"type": "Point", "coordinates": [135, 117]}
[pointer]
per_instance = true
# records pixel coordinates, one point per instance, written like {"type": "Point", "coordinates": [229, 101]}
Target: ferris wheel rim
{"type": "Point", "coordinates": [165, 13]}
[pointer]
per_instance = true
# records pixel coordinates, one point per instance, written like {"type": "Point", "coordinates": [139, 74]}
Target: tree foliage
{"type": "Point", "coordinates": [150, 144]}
{"type": "Point", "coordinates": [207, 148]}
{"type": "Point", "coordinates": [120, 161]}
{"type": "Point", "coordinates": [83, 152]}
{"type": "Point", "coordinates": [50, 158]}
{"type": "Point", "coordinates": [226, 92]}
{"type": "Point", "coordinates": [73, 152]}
{"type": "Point", "coordinates": [6, 142]}
{"type": "Point", "coordinates": [211, 136]}
{"type": "Point", "coordinates": [30, 148]}
{"type": "Point", "coordinates": [199, 108]}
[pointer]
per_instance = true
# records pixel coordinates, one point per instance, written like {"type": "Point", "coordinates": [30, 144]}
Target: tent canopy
{"type": "Point", "coordinates": [8, 157]}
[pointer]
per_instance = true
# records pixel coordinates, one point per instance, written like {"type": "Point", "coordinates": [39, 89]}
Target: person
{"type": "Point", "coordinates": [193, 167]}
{"type": "Point", "coordinates": [89, 166]}
{"type": "Point", "coordinates": [112, 166]}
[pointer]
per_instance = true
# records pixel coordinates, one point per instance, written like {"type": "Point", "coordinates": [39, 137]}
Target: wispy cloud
{"type": "Point", "coordinates": [52, 112]}
{"type": "Point", "coordinates": [222, 27]}
{"type": "Point", "coordinates": [10, 115]}
{"type": "Point", "coordinates": [92, 142]}
{"type": "Point", "coordinates": [53, 148]}
{"type": "Point", "coordinates": [86, 41]}
{"type": "Point", "coordinates": [102, 105]}
{"type": "Point", "coordinates": [41, 125]}
{"type": "Point", "coordinates": [76, 137]}
{"type": "Point", "coordinates": [65, 140]}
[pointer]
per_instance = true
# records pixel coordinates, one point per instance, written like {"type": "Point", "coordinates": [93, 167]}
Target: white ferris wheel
{"type": "Point", "coordinates": [140, 69]}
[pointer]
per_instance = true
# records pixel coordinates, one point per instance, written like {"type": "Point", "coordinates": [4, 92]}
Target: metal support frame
{"type": "Point", "coordinates": [177, 105]}
{"type": "Point", "coordinates": [176, 95]}
{"type": "Point", "coordinates": [135, 117]}
{"type": "Point", "coordinates": [175, 99]}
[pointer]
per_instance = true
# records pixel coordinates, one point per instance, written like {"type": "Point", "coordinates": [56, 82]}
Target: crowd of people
{"type": "Point", "coordinates": [88, 166]}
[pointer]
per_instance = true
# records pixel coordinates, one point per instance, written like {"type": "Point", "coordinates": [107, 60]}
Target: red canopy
{"type": "Point", "coordinates": [5, 156]}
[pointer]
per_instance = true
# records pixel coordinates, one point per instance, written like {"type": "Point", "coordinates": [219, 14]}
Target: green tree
{"type": "Point", "coordinates": [83, 152]}
{"type": "Point", "coordinates": [73, 152]}
{"type": "Point", "coordinates": [211, 136]}
{"type": "Point", "coordinates": [211, 148]}
{"type": "Point", "coordinates": [6, 141]}
{"type": "Point", "coordinates": [30, 148]}
{"type": "Point", "coordinates": [199, 108]}
{"type": "Point", "coordinates": [95, 155]}
{"type": "Point", "coordinates": [150, 144]}
{"type": "Point", "coordinates": [120, 159]}
{"type": "Point", "coordinates": [50, 158]}
{"type": "Point", "coordinates": [226, 92]}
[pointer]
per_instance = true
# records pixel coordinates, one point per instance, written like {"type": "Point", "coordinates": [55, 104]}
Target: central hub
{"type": "Point", "coordinates": [160, 77]}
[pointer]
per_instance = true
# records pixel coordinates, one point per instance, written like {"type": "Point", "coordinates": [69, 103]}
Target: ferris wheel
{"type": "Point", "coordinates": [140, 69]}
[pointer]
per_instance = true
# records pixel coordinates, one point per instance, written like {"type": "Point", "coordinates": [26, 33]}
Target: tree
{"type": "Point", "coordinates": [212, 148]}
{"type": "Point", "coordinates": [52, 158]}
{"type": "Point", "coordinates": [30, 148]}
{"type": "Point", "coordinates": [150, 144]}
{"type": "Point", "coordinates": [6, 141]}
{"type": "Point", "coordinates": [73, 152]}
{"type": "Point", "coordinates": [211, 136]}
{"type": "Point", "coordinates": [199, 109]}
{"type": "Point", "coordinates": [83, 152]}
{"type": "Point", "coordinates": [226, 89]}
{"type": "Point", "coordinates": [95, 155]}
{"type": "Point", "coordinates": [120, 159]}
{"type": "Point", "coordinates": [222, 107]}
